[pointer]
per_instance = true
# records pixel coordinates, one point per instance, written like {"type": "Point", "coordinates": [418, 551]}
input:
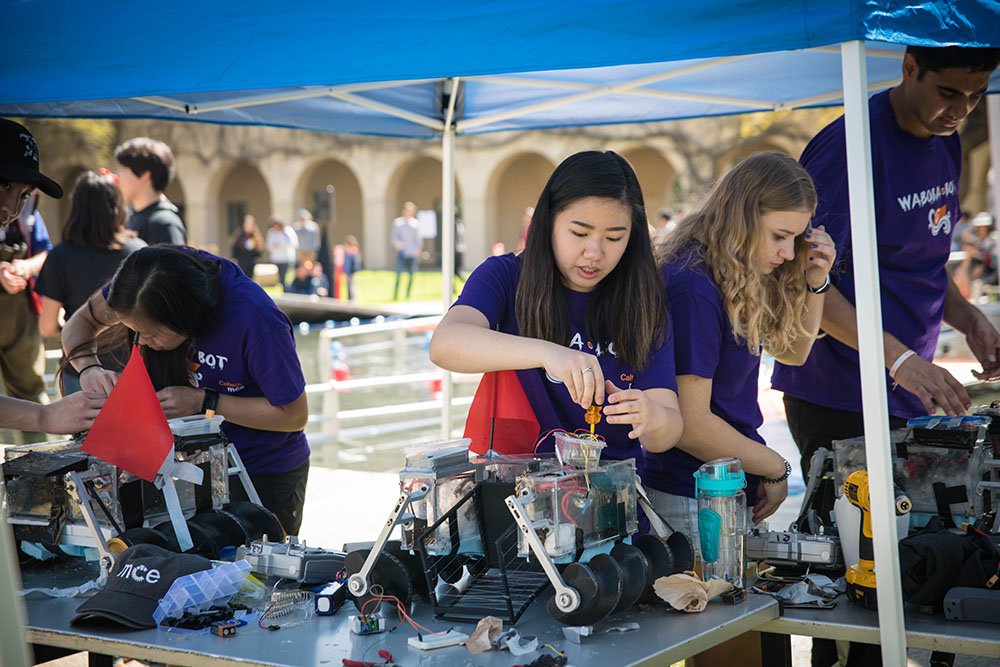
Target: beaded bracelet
{"type": "Point", "coordinates": [777, 480]}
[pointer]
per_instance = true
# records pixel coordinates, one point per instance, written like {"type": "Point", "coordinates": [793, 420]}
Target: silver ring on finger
{"type": "Point", "coordinates": [588, 369]}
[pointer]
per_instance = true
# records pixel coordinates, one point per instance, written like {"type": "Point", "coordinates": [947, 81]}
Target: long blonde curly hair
{"type": "Point", "coordinates": [724, 233]}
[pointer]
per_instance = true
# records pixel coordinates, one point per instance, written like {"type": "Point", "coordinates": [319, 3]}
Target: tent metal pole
{"type": "Point", "coordinates": [993, 126]}
{"type": "Point", "coordinates": [869, 319]}
{"type": "Point", "coordinates": [13, 649]}
{"type": "Point", "coordinates": [836, 94]}
{"type": "Point", "coordinates": [448, 236]}
{"type": "Point", "coordinates": [624, 87]}
{"type": "Point", "coordinates": [432, 123]}
{"type": "Point", "coordinates": [552, 84]}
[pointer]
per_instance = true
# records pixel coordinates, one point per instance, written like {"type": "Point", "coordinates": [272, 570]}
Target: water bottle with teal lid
{"type": "Point", "coordinates": [722, 518]}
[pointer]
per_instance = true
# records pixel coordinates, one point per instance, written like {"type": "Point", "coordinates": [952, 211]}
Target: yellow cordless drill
{"type": "Point", "coordinates": [861, 576]}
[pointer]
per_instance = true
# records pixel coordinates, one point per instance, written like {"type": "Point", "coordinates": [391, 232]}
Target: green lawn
{"type": "Point", "coordinates": [375, 287]}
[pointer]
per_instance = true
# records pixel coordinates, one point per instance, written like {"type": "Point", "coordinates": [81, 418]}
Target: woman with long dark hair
{"type": "Point", "coordinates": [94, 243]}
{"type": "Point", "coordinates": [211, 339]}
{"type": "Point", "coordinates": [579, 314]}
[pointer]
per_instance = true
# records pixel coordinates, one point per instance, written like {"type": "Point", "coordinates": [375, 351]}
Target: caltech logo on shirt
{"type": "Point", "coordinates": [139, 573]}
{"type": "Point", "coordinates": [938, 216]}
{"type": "Point", "coordinates": [938, 219]}
{"type": "Point", "coordinates": [579, 343]}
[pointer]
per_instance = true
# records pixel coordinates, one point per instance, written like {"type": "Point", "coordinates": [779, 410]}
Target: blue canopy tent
{"type": "Point", "coordinates": [393, 69]}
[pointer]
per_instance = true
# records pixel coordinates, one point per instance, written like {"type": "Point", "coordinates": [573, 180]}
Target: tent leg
{"type": "Point", "coordinates": [448, 239]}
{"type": "Point", "coordinates": [993, 126]}
{"type": "Point", "coordinates": [870, 350]}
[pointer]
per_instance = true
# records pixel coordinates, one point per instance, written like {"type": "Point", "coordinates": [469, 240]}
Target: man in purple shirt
{"type": "Point", "coordinates": [916, 163]}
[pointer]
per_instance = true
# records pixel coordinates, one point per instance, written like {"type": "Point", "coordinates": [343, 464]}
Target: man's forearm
{"type": "Point", "coordinates": [840, 320]}
{"type": "Point", "coordinates": [20, 415]}
{"type": "Point", "coordinates": [958, 312]}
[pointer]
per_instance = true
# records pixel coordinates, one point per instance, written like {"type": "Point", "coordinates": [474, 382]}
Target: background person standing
{"type": "Point", "coordinates": [282, 247]}
{"type": "Point", "coordinates": [145, 169]}
{"type": "Point", "coordinates": [407, 242]}
{"type": "Point", "coordinates": [308, 234]}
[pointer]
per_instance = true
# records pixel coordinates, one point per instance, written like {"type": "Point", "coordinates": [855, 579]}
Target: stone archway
{"type": "Point", "coordinates": [332, 185]}
{"type": "Point", "coordinates": [419, 181]}
{"type": "Point", "coordinates": [657, 179]}
{"type": "Point", "coordinates": [515, 185]}
{"type": "Point", "coordinates": [243, 191]}
{"type": "Point", "coordinates": [733, 156]}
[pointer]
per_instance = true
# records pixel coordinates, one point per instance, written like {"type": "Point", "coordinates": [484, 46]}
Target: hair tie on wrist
{"type": "Point", "coordinates": [822, 288]}
{"type": "Point", "coordinates": [79, 373]}
{"type": "Point", "coordinates": [899, 362]}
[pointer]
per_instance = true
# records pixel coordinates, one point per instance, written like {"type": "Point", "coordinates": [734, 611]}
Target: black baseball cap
{"type": "Point", "coordinates": [19, 159]}
{"type": "Point", "coordinates": [141, 576]}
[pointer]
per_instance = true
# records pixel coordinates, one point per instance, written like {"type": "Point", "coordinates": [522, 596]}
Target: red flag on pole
{"type": "Point", "coordinates": [131, 430]}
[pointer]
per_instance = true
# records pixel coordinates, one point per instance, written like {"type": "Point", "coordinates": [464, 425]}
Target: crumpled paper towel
{"type": "Point", "coordinates": [487, 631]}
{"type": "Point", "coordinates": [687, 592]}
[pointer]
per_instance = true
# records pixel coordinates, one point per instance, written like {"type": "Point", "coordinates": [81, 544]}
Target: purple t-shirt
{"type": "Point", "coordinates": [491, 290]}
{"type": "Point", "coordinates": [704, 345]}
{"type": "Point", "coordinates": [249, 353]}
{"type": "Point", "coordinates": [916, 209]}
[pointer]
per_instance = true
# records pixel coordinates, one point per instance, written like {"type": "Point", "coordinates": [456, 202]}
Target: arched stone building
{"type": "Point", "coordinates": [357, 185]}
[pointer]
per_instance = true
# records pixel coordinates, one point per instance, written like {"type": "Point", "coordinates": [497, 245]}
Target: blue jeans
{"type": "Point", "coordinates": [408, 264]}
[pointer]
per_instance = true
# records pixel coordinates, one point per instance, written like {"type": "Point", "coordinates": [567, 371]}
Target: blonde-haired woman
{"type": "Point", "coordinates": [742, 273]}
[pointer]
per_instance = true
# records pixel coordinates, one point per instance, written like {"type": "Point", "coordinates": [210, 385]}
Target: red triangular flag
{"type": "Point", "coordinates": [501, 415]}
{"type": "Point", "coordinates": [131, 430]}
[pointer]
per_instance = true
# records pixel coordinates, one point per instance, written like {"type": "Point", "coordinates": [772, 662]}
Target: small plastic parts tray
{"type": "Point", "coordinates": [201, 590]}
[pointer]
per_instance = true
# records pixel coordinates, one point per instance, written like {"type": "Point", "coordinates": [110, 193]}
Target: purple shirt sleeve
{"type": "Point", "coordinates": [491, 289]}
{"type": "Point", "coordinates": [698, 325]}
{"type": "Point", "coordinates": [273, 364]}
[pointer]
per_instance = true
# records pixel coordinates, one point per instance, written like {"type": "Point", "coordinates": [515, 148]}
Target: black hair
{"type": "Point", "coordinates": [97, 216]}
{"type": "Point", "coordinates": [143, 154]}
{"type": "Point", "coordinates": [628, 305]}
{"type": "Point", "coordinates": [172, 287]}
{"type": "Point", "coordinates": [935, 59]}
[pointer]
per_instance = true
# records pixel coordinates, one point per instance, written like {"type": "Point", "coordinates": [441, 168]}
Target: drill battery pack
{"type": "Point", "coordinates": [861, 587]}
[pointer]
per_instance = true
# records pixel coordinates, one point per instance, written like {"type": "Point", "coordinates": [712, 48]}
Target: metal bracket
{"type": "Point", "coordinates": [78, 493]}
{"type": "Point", "coordinates": [656, 522]}
{"type": "Point", "coordinates": [236, 466]}
{"type": "Point", "coordinates": [567, 598]}
{"type": "Point", "coordinates": [357, 584]}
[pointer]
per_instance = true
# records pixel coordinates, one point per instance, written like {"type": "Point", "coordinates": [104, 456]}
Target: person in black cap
{"type": "Point", "coordinates": [141, 577]}
{"type": "Point", "coordinates": [19, 177]}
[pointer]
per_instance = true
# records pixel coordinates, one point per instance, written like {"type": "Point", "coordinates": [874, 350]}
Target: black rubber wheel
{"type": "Point", "coordinates": [233, 529]}
{"type": "Point", "coordinates": [683, 552]}
{"type": "Point", "coordinates": [599, 584]}
{"type": "Point", "coordinates": [635, 574]}
{"type": "Point", "coordinates": [140, 535]}
{"type": "Point", "coordinates": [661, 562]}
{"type": "Point", "coordinates": [388, 577]}
{"type": "Point", "coordinates": [205, 539]}
{"type": "Point", "coordinates": [418, 578]}
{"type": "Point", "coordinates": [260, 520]}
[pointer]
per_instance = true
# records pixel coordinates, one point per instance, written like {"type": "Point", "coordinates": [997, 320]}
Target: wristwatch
{"type": "Point", "coordinates": [778, 480]}
{"type": "Point", "coordinates": [822, 288]}
{"type": "Point", "coordinates": [211, 402]}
